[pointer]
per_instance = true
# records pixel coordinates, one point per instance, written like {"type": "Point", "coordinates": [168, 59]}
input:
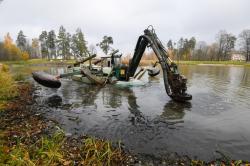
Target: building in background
{"type": "Point", "coordinates": [237, 56]}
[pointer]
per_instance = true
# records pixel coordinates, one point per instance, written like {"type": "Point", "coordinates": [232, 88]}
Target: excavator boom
{"type": "Point", "coordinates": [175, 84]}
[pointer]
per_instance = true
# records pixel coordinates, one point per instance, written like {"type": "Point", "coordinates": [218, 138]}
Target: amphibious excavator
{"type": "Point", "coordinates": [175, 83]}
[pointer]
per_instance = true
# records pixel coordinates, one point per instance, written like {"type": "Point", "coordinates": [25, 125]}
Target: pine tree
{"type": "Point", "coordinates": [67, 46]}
{"type": "Point", "coordinates": [51, 42]}
{"type": "Point", "coordinates": [63, 43]}
{"type": "Point", "coordinates": [44, 46]}
{"type": "Point", "coordinates": [79, 44]}
{"type": "Point", "coordinates": [21, 41]}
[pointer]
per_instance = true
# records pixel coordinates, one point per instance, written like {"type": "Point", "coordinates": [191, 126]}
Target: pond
{"type": "Point", "coordinates": [148, 122]}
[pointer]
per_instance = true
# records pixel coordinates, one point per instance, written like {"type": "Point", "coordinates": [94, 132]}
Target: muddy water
{"type": "Point", "coordinates": [148, 122]}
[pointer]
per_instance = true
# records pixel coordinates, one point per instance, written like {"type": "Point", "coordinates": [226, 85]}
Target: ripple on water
{"type": "Point", "coordinates": [148, 122]}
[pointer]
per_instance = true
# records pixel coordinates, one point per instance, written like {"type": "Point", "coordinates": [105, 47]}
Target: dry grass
{"type": "Point", "coordinates": [142, 62]}
{"type": "Point", "coordinates": [52, 151]}
{"type": "Point", "coordinates": [8, 88]}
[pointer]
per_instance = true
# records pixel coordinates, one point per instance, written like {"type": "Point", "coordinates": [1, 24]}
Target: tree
{"type": "Point", "coordinates": [63, 43]}
{"type": "Point", "coordinates": [192, 43]}
{"type": "Point", "coordinates": [226, 43]}
{"type": "Point", "coordinates": [170, 45]}
{"type": "Point", "coordinates": [43, 42]}
{"type": "Point", "coordinates": [51, 43]}
{"type": "Point", "coordinates": [79, 44]}
{"type": "Point", "coordinates": [21, 41]}
{"type": "Point", "coordinates": [105, 44]}
{"type": "Point", "coordinates": [245, 43]}
{"type": "Point", "coordinates": [11, 51]}
{"type": "Point", "coordinates": [35, 52]}
{"type": "Point", "coordinates": [180, 48]}
{"type": "Point", "coordinates": [212, 50]}
{"type": "Point", "coordinates": [191, 46]}
{"type": "Point", "coordinates": [67, 45]}
{"type": "Point", "coordinates": [200, 53]}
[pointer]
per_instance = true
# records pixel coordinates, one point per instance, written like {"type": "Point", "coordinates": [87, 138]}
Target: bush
{"type": "Point", "coordinates": [4, 68]}
{"type": "Point", "coordinates": [8, 88]}
{"type": "Point", "coordinates": [19, 77]}
{"type": "Point", "coordinates": [25, 55]}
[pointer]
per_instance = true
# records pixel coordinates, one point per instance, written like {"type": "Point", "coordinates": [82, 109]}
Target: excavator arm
{"type": "Point", "coordinates": [175, 84]}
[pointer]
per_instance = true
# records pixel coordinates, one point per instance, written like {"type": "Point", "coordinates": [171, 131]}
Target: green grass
{"type": "Point", "coordinates": [38, 61]}
{"type": "Point", "coordinates": [52, 151]}
{"type": "Point", "coordinates": [7, 86]}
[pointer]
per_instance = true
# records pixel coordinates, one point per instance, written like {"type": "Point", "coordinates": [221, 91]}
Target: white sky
{"type": "Point", "coordinates": [125, 20]}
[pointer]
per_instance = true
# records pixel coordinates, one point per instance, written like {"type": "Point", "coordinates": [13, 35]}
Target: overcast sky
{"type": "Point", "coordinates": [125, 20]}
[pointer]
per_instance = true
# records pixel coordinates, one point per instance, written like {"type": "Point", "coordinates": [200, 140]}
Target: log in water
{"type": "Point", "coordinates": [46, 79]}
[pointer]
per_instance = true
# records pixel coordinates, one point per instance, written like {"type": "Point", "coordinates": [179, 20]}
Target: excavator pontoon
{"type": "Point", "coordinates": [175, 83]}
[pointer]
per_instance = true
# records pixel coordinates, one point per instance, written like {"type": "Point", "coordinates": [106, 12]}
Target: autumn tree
{"type": "Point", "coordinates": [245, 43]}
{"type": "Point", "coordinates": [11, 51]}
{"type": "Point", "coordinates": [43, 38]}
{"type": "Point", "coordinates": [21, 41]}
{"type": "Point", "coordinates": [105, 44]}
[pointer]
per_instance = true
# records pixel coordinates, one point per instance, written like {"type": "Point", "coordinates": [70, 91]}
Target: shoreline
{"type": "Point", "coordinates": [142, 62]}
{"type": "Point", "coordinates": [23, 128]}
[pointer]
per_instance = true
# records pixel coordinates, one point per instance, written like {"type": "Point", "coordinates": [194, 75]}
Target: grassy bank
{"type": "Point", "coordinates": [38, 61]}
{"type": "Point", "coordinates": [27, 138]}
{"type": "Point", "coordinates": [214, 62]}
{"type": "Point", "coordinates": [151, 62]}
{"type": "Point", "coordinates": [8, 88]}
{"type": "Point", "coordinates": [58, 149]}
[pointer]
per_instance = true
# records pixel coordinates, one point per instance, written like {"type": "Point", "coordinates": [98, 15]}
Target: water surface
{"type": "Point", "coordinates": [148, 122]}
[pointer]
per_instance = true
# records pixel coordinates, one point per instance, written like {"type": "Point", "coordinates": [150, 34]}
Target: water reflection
{"type": "Point", "coordinates": [88, 94]}
{"type": "Point", "coordinates": [112, 97]}
{"type": "Point", "coordinates": [147, 121]}
{"type": "Point", "coordinates": [175, 110]}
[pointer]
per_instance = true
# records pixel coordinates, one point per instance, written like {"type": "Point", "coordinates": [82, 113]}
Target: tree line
{"type": "Point", "coordinates": [221, 49]}
{"type": "Point", "coordinates": [50, 45]}
{"type": "Point", "coordinates": [64, 45]}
